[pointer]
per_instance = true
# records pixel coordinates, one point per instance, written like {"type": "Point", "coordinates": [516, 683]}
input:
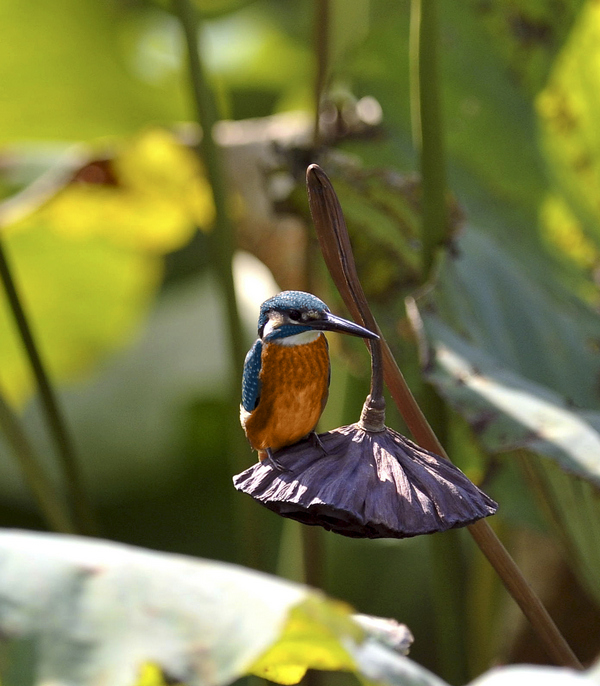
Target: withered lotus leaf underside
{"type": "Point", "coordinates": [366, 485]}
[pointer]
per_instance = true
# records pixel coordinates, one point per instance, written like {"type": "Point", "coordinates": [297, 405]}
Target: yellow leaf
{"type": "Point", "coordinates": [151, 195]}
{"type": "Point", "coordinates": [568, 109]}
{"type": "Point", "coordinates": [313, 638]}
{"type": "Point", "coordinates": [564, 232]}
{"type": "Point", "coordinates": [150, 675]}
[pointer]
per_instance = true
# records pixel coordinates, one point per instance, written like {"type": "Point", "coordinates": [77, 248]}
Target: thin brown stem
{"type": "Point", "coordinates": [335, 246]}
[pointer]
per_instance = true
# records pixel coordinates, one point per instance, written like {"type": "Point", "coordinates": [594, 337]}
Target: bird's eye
{"type": "Point", "coordinates": [295, 315]}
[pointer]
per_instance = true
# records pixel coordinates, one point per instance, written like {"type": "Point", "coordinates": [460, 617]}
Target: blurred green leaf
{"type": "Point", "coordinates": [568, 109]}
{"type": "Point", "coordinates": [128, 416]}
{"type": "Point", "coordinates": [573, 507]}
{"type": "Point", "coordinates": [128, 615]}
{"type": "Point", "coordinates": [527, 35]}
{"type": "Point", "coordinates": [84, 240]}
{"type": "Point", "coordinates": [516, 357]}
{"type": "Point", "coordinates": [507, 411]}
{"type": "Point", "coordinates": [147, 192]}
{"type": "Point", "coordinates": [67, 69]}
{"type": "Point", "coordinates": [84, 297]}
{"type": "Point", "coordinates": [200, 621]}
{"type": "Point", "coordinates": [530, 324]}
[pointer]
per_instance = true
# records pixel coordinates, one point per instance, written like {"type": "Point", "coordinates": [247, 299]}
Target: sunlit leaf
{"type": "Point", "coordinates": [506, 410]}
{"type": "Point", "coordinates": [99, 611]}
{"type": "Point", "coordinates": [311, 639]}
{"type": "Point", "coordinates": [564, 232]}
{"type": "Point", "coordinates": [527, 35]}
{"type": "Point", "coordinates": [569, 110]}
{"type": "Point", "coordinates": [150, 675]}
{"type": "Point", "coordinates": [149, 194]}
{"type": "Point", "coordinates": [531, 326]}
{"type": "Point", "coordinates": [85, 244]}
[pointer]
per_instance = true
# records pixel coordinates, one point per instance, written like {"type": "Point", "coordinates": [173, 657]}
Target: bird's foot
{"type": "Point", "coordinates": [317, 442]}
{"type": "Point", "coordinates": [275, 462]}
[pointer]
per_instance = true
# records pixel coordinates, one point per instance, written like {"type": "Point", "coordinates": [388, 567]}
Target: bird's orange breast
{"type": "Point", "coordinates": [294, 387]}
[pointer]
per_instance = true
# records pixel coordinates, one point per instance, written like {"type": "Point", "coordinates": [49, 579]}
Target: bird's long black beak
{"type": "Point", "coordinates": [331, 322]}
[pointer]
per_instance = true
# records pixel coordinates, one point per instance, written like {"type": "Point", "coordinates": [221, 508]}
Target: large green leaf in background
{"type": "Point", "coordinates": [494, 58]}
{"type": "Point", "coordinates": [507, 411]}
{"type": "Point", "coordinates": [84, 297]}
{"type": "Point", "coordinates": [68, 72]}
{"type": "Point", "coordinates": [516, 359]}
{"type": "Point", "coordinates": [569, 110]}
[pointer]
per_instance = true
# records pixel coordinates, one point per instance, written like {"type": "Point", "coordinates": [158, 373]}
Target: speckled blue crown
{"type": "Point", "coordinates": [287, 300]}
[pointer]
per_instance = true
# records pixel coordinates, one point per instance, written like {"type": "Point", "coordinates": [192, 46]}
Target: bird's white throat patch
{"type": "Point", "coordinates": [299, 338]}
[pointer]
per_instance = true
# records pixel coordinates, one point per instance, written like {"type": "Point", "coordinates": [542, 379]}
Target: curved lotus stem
{"type": "Point", "coordinates": [335, 245]}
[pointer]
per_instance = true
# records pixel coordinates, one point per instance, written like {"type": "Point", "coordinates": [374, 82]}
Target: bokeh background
{"type": "Point", "coordinates": [108, 222]}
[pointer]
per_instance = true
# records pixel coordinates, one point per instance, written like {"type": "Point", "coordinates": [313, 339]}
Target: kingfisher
{"type": "Point", "coordinates": [287, 371]}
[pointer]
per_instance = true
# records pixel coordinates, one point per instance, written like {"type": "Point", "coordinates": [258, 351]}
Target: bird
{"type": "Point", "coordinates": [287, 371]}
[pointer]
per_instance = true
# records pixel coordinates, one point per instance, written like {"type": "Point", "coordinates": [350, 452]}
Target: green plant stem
{"type": "Point", "coordinates": [313, 547]}
{"type": "Point", "coordinates": [426, 114]}
{"type": "Point", "coordinates": [78, 502]}
{"type": "Point", "coordinates": [447, 572]}
{"type": "Point", "coordinates": [223, 247]}
{"type": "Point", "coordinates": [223, 235]}
{"type": "Point", "coordinates": [426, 117]}
{"type": "Point", "coordinates": [322, 33]}
{"type": "Point", "coordinates": [45, 494]}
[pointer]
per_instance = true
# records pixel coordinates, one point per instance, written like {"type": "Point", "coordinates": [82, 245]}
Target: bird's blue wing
{"type": "Point", "coordinates": [250, 381]}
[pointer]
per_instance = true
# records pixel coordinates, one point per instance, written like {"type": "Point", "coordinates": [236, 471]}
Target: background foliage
{"type": "Point", "coordinates": [108, 221]}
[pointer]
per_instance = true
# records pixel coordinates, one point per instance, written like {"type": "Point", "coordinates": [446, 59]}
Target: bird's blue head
{"type": "Point", "coordinates": [292, 312]}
